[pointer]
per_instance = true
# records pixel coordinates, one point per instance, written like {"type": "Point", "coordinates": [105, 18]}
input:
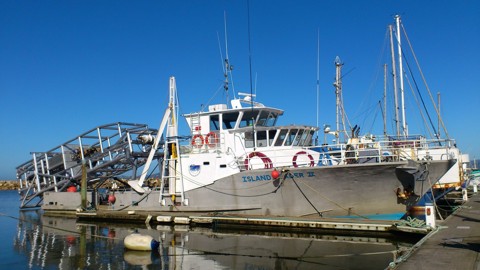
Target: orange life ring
{"type": "Point", "coordinates": [194, 141]}
{"type": "Point", "coordinates": [211, 139]}
{"type": "Point", "coordinates": [294, 160]}
{"type": "Point", "coordinates": [266, 160]}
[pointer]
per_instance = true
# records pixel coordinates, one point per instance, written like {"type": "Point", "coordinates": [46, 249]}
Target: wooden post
{"type": "Point", "coordinates": [83, 186]}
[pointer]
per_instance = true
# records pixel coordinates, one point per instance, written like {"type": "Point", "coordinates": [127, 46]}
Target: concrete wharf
{"type": "Point", "coordinates": [311, 224]}
{"type": "Point", "coordinates": [454, 245]}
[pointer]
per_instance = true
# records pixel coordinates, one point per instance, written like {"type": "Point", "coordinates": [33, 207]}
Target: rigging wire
{"type": "Point", "coordinates": [421, 98]}
{"type": "Point", "coordinates": [376, 114]}
{"type": "Point", "coordinates": [419, 107]}
{"type": "Point", "coordinates": [426, 85]}
{"type": "Point", "coordinates": [250, 69]}
{"type": "Point", "coordinates": [378, 71]}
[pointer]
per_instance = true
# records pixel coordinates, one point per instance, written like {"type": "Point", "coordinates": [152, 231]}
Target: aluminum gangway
{"type": "Point", "coordinates": [111, 151]}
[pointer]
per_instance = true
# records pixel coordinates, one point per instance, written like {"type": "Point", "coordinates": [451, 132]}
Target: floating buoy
{"type": "Point", "coordinates": [141, 242]}
{"type": "Point", "coordinates": [71, 239]}
{"type": "Point", "coordinates": [138, 257]}
{"type": "Point", "coordinates": [275, 174]}
{"type": "Point", "coordinates": [111, 199]}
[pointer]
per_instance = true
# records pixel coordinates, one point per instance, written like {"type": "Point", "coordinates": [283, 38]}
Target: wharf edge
{"type": "Point", "coordinates": [252, 222]}
{"type": "Point", "coordinates": [454, 245]}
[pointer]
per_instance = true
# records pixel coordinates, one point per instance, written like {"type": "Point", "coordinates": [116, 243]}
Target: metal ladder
{"type": "Point", "coordinates": [172, 165]}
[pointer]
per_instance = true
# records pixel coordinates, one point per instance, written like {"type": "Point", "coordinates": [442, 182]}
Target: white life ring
{"type": "Point", "coordinates": [211, 139]}
{"type": "Point", "coordinates": [266, 160]}
{"type": "Point", "coordinates": [197, 141]}
{"type": "Point", "coordinates": [294, 160]}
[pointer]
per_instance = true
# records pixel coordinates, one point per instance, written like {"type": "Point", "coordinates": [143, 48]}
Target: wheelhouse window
{"type": "Point", "coordinates": [271, 136]}
{"type": "Point", "coordinates": [290, 137]}
{"type": "Point", "coordinates": [229, 120]}
{"type": "Point", "coordinates": [298, 138]}
{"type": "Point", "coordinates": [262, 139]}
{"type": "Point", "coordinates": [214, 122]}
{"type": "Point", "coordinates": [248, 118]}
{"type": "Point", "coordinates": [281, 137]}
{"type": "Point", "coordinates": [308, 137]}
{"type": "Point", "coordinates": [249, 139]}
{"type": "Point", "coordinates": [267, 119]}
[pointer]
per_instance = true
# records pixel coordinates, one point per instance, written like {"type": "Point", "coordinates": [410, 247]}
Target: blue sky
{"type": "Point", "coordinates": [69, 66]}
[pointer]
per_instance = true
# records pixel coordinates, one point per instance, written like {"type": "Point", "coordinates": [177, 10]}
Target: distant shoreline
{"type": "Point", "coordinates": [8, 185]}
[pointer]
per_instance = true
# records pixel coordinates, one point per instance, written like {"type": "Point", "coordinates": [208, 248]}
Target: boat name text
{"type": "Point", "coordinates": [267, 177]}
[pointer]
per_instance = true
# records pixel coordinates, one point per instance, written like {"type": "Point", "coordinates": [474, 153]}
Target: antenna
{"type": "Point", "coordinates": [228, 68]}
{"type": "Point", "coordinates": [249, 48]}
{"type": "Point", "coordinates": [384, 99]}
{"type": "Point", "coordinates": [250, 65]}
{"type": "Point", "coordinates": [318, 76]}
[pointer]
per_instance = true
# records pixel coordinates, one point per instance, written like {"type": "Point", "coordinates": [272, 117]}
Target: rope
{"type": "Point", "coordinates": [411, 222]}
{"type": "Point", "coordinates": [333, 202]}
{"type": "Point", "coordinates": [305, 196]}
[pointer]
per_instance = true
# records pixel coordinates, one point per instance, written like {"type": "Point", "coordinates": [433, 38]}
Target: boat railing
{"type": "Point", "coordinates": [361, 152]}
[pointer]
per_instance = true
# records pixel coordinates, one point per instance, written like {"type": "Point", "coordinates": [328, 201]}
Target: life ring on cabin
{"type": "Point", "coordinates": [294, 160]}
{"type": "Point", "coordinates": [211, 139]}
{"type": "Point", "coordinates": [197, 141]}
{"type": "Point", "coordinates": [266, 160]}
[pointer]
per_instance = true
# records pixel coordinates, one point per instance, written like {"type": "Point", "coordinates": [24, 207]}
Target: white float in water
{"type": "Point", "coordinates": [136, 241]}
{"type": "Point", "coordinates": [135, 257]}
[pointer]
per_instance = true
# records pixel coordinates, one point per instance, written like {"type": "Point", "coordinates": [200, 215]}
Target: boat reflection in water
{"type": "Point", "coordinates": [62, 243]}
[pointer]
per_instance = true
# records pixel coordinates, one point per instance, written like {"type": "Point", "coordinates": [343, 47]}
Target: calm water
{"type": "Point", "coordinates": [29, 240]}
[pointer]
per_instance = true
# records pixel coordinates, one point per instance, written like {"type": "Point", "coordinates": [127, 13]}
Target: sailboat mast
{"type": "Point", "coordinates": [394, 74]}
{"type": "Point", "coordinates": [400, 67]}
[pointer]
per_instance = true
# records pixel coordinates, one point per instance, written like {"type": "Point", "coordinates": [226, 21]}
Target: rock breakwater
{"type": "Point", "coordinates": [8, 185]}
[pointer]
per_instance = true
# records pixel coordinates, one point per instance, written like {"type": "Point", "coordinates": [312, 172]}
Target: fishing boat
{"type": "Point", "coordinates": [235, 160]}
{"type": "Point", "coordinates": [238, 161]}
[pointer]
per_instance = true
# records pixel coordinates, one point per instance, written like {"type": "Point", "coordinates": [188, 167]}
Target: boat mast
{"type": "Point", "coordinates": [400, 67]}
{"type": "Point", "coordinates": [340, 115]}
{"type": "Point", "coordinates": [394, 74]}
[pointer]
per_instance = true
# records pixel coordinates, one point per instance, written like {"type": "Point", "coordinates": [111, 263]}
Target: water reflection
{"type": "Point", "coordinates": [62, 243]}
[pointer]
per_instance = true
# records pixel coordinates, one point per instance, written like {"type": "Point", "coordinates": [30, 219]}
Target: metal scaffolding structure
{"type": "Point", "coordinates": [112, 151]}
